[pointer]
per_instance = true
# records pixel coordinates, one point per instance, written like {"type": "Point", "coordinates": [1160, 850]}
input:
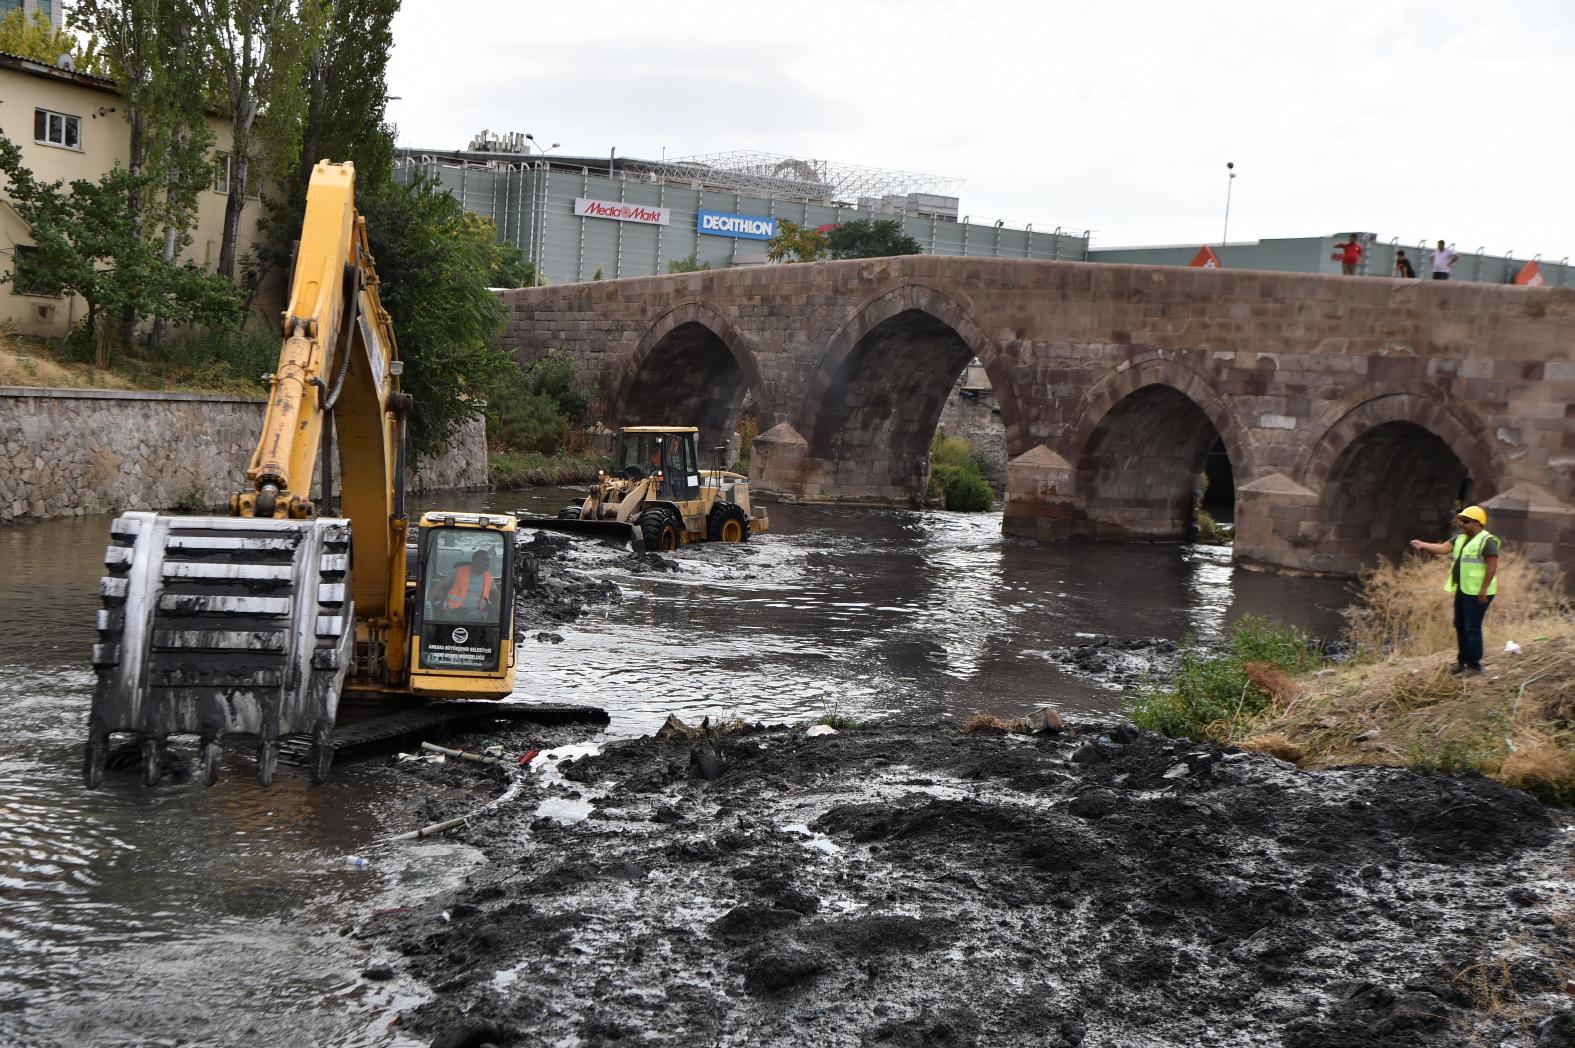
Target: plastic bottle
{"type": "Point", "coordinates": [357, 861]}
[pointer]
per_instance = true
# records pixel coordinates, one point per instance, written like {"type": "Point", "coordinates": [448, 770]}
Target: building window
{"type": "Point", "coordinates": [221, 173]}
{"type": "Point", "coordinates": [57, 129]}
{"type": "Point", "coordinates": [22, 280]}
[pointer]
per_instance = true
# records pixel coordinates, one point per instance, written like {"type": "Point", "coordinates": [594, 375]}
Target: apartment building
{"type": "Point", "coordinates": [73, 126]}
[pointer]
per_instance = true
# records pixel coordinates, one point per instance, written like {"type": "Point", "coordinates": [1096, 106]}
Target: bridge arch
{"type": "Point", "coordinates": [1141, 439]}
{"type": "Point", "coordinates": [692, 367]}
{"type": "Point", "coordinates": [1392, 468]}
{"type": "Point", "coordinates": [872, 406]}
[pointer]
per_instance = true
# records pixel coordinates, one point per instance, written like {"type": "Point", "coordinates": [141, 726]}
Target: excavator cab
{"type": "Point", "coordinates": [462, 636]}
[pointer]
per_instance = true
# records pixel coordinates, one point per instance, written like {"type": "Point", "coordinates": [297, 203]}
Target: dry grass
{"type": "Point", "coordinates": [1403, 609]}
{"type": "Point", "coordinates": [992, 722]}
{"type": "Point", "coordinates": [23, 364]}
{"type": "Point", "coordinates": [1397, 703]}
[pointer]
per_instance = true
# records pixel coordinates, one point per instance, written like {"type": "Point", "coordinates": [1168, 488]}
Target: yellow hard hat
{"type": "Point", "coordinates": [1476, 513]}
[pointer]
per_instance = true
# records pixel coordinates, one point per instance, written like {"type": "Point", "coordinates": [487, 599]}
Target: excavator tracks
{"type": "Point", "coordinates": [214, 626]}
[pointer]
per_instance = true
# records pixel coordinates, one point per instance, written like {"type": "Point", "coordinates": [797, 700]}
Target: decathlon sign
{"type": "Point", "coordinates": [655, 216]}
{"type": "Point", "coordinates": [746, 227]}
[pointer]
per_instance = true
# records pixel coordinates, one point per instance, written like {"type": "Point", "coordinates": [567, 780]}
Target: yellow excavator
{"type": "Point", "coordinates": [256, 623]}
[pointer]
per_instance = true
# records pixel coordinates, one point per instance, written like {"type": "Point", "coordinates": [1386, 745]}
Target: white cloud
{"type": "Point", "coordinates": [1408, 118]}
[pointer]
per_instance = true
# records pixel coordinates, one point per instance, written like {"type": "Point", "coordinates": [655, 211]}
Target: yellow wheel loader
{"type": "Point", "coordinates": [656, 496]}
{"type": "Point", "coordinates": [257, 623]}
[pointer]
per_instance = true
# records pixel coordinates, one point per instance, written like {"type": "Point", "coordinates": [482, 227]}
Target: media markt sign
{"type": "Point", "coordinates": [744, 227]}
{"type": "Point", "coordinates": [654, 216]}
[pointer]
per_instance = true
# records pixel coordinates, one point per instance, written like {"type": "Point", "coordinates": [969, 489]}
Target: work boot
{"type": "Point", "coordinates": [1471, 671]}
{"type": "Point", "coordinates": [1458, 669]}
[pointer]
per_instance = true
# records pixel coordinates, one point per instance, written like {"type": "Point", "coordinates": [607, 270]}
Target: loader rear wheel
{"type": "Point", "coordinates": [660, 530]}
{"type": "Point", "coordinates": [569, 513]}
{"type": "Point", "coordinates": [727, 523]}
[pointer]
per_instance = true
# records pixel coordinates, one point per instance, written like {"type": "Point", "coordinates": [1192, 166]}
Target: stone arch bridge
{"type": "Point", "coordinates": [1354, 411]}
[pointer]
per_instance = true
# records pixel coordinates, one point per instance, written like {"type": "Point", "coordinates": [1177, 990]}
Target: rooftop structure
{"type": "Point", "coordinates": [795, 178]}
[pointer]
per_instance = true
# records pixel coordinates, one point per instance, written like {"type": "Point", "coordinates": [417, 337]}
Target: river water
{"type": "Point", "coordinates": [184, 915]}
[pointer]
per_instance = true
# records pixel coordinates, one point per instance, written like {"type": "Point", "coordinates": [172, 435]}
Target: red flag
{"type": "Point", "coordinates": [1205, 259]}
{"type": "Point", "coordinates": [1530, 275]}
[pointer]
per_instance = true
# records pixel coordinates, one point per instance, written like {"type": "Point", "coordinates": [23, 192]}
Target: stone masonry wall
{"type": "Point", "coordinates": [70, 452]}
{"type": "Point", "coordinates": [1294, 372]}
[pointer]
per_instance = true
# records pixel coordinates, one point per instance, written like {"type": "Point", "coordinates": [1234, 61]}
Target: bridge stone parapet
{"type": "Point", "coordinates": [1355, 413]}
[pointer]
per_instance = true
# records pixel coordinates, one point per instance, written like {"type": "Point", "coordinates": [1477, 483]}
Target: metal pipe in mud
{"type": "Point", "coordinates": [516, 783]}
{"type": "Point", "coordinates": [479, 758]}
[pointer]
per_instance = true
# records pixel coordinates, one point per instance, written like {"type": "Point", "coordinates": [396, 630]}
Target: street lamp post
{"type": "Point", "coordinates": [532, 140]}
{"type": "Point", "coordinates": [1230, 181]}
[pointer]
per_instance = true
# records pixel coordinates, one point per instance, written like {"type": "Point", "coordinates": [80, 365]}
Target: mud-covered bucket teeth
{"type": "Point", "coordinates": [221, 625]}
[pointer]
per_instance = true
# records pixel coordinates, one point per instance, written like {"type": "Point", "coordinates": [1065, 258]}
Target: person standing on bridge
{"type": "Point", "coordinates": [1350, 255]}
{"type": "Point", "coordinates": [1473, 579]}
{"type": "Point", "coordinates": [1444, 260]}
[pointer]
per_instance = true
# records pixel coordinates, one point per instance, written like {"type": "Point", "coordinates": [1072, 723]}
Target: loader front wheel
{"type": "Point", "coordinates": [726, 523]}
{"type": "Point", "coordinates": [569, 513]}
{"type": "Point", "coordinates": [659, 528]}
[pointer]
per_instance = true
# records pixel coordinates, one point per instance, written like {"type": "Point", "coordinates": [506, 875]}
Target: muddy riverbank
{"type": "Point", "coordinates": [904, 884]}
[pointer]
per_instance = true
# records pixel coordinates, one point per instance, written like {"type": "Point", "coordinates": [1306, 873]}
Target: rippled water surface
{"type": "Point", "coordinates": [183, 915]}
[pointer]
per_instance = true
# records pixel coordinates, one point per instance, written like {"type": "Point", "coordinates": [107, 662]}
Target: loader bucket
{"type": "Point", "coordinates": [221, 625]}
{"type": "Point", "coordinates": [618, 533]}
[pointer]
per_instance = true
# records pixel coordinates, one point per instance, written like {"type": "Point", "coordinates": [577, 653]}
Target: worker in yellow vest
{"type": "Point", "coordinates": [1473, 579]}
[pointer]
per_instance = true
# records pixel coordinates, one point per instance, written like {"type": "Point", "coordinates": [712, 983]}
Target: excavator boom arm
{"type": "Point", "coordinates": [251, 623]}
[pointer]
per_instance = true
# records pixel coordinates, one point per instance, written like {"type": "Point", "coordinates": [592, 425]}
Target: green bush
{"type": "Point", "coordinates": [687, 265]}
{"type": "Point", "coordinates": [955, 475]}
{"type": "Point", "coordinates": [951, 451]}
{"type": "Point", "coordinates": [962, 488]}
{"type": "Point", "coordinates": [1210, 692]}
{"type": "Point", "coordinates": [537, 408]}
{"type": "Point", "coordinates": [513, 469]}
{"type": "Point", "coordinates": [223, 356]}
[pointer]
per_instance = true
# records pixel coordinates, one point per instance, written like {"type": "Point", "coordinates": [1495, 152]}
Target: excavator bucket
{"type": "Point", "coordinates": [617, 532]}
{"type": "Point", "coordinates": [221, 625]}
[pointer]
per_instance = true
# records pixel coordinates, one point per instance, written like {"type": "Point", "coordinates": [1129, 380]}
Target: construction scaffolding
{"type": "Point", "coordinates": [796, 178]}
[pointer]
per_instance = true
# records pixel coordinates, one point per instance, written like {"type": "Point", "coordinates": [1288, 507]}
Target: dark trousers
{"type": "Point", "coordinates": [1469, 613]}
{"type": "Point", "coordinates": [1440, 276]}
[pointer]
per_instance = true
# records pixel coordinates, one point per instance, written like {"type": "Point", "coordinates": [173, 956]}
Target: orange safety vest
{"type": "Point", "coordinates": [461, 588]}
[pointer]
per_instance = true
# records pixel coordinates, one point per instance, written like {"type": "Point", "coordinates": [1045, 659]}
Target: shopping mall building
{"type": "Point", "coordinates": [584, 218]}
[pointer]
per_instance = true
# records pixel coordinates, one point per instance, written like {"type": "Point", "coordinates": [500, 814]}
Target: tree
{"type": "Point", "coordinates": [345, 98]}
{"type": "Point", "coordinates": [434, 263]}
{"type": "Point", "coordinates": [540, 406]}
{"type": "Point", "coordinates": [687, 265]}
{"type": "Point", "coordinates": [35, 36]}
{"type": "Point", "coordinates": [259, 51]}
{"type": "Point", "coordinates": [86, 242]}
{"type": "Point", "coordinates": [863, 238]}
{"type": "Point", "coordinates": [158, 65]}
{"type": "Point", "coordinates": [507, 267]}
{"type": "Point", "coordinates": [796, 243]}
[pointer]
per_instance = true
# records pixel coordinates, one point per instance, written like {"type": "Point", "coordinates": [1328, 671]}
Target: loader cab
{"type": "Point", "coordinates": [464, 605]}
{"type": "Point", "coordinates": [668, 450]}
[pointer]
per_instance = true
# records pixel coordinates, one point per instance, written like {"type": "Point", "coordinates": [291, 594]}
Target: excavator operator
{"type": "Point", "coordinates": [471, 588]}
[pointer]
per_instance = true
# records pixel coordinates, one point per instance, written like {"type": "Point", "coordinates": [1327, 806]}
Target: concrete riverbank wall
{"type": "Point", "coordinates": [73, 451]}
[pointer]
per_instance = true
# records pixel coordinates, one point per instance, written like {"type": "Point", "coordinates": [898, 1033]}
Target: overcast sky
{"type": "Point", "coordinates": [1409, 119]}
